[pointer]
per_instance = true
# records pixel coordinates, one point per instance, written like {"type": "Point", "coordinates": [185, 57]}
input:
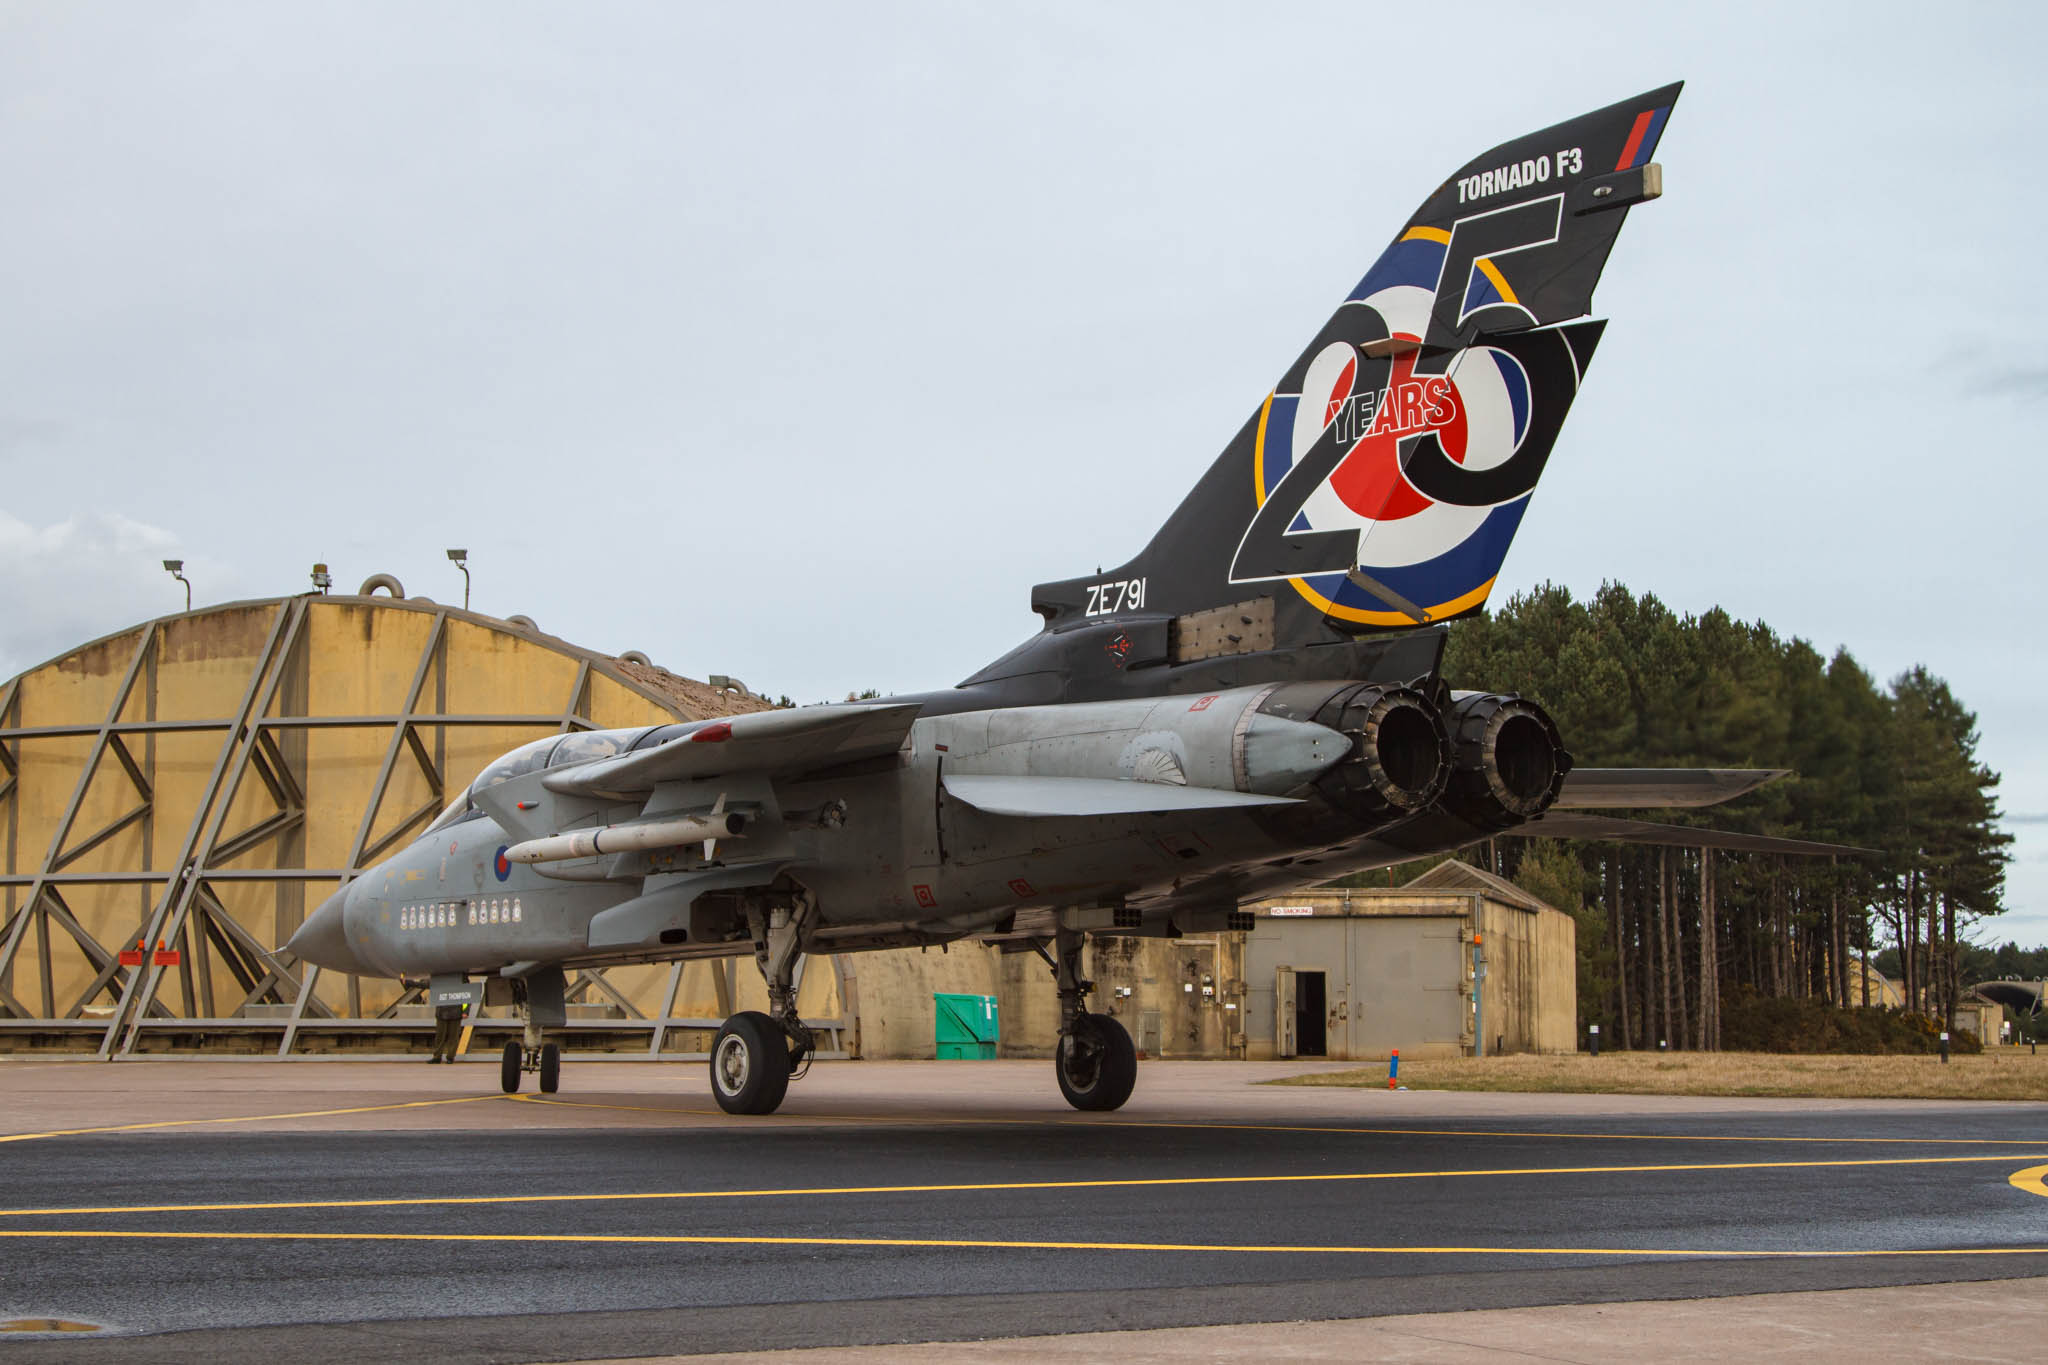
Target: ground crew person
{"type": "Point", "coordinates": [447, 1030]}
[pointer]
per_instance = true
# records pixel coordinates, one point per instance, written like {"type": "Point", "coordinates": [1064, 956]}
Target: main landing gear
{"type": "Point", "coordinates": [539, 998]}
{"type": "Point", "coordinates": [756, 1055]}
{"type": "Point", "coordinates": [1096, 1062]}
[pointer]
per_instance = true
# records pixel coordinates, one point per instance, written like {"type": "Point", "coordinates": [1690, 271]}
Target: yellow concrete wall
{"type": "Point", "coordinates": [894, 990]}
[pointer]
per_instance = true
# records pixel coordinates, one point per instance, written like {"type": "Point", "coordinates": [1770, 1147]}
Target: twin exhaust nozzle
{"type": "Point", "coordinates": [1493, 760]}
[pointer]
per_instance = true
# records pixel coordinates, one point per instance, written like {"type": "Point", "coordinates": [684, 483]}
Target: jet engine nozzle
{"type": "Point", "coordinates": [1508, 762]}
{"type": "Point", "coordinates": [1400, 756]}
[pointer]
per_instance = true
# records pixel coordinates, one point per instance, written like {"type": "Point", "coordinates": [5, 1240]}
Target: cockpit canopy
{"type": "Point", "coordinates": [557, 751]}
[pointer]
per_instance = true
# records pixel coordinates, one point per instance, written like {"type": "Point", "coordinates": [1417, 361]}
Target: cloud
{"type": "Point", "coordinates": [78, 579]}
{"type": "Point", "coordinates": [2026, 818]}
{"type": "Point", "coordinates": [18, 434]}
{"type": "Point", "coordinates": [2028, 383]}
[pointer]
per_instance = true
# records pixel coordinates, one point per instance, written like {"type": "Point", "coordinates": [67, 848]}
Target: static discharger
{"type": "Point", "coordinates": [634, 838]}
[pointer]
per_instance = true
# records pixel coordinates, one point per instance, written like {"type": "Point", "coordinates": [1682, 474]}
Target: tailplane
{"type": "Point", "coordinates": [1379, 484]}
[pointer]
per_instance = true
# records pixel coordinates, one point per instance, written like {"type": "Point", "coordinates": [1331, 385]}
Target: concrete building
{"type": "Point", "coordinates": [1339, 974]}
{"type": "Point", "coordinates": [1360, 973]}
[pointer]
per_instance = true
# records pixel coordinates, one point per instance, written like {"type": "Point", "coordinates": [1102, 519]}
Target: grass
{"type": "Point", "coordinates": [2011, 1074]}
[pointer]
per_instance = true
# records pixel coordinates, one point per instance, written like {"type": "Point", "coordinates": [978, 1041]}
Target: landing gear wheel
{"type": "Point", "coordinates": [550, 1068]}
{"type": "Point", "coordinates": [510, 1067]}
{"type": "Point", "coordinates": [750, 1064]}
{"type": "Point", "coordinates": [1097, 1065]}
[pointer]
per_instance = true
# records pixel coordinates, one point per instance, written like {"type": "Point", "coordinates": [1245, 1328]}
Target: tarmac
{"type": "Point", "coordinates": [242, 1209]}
{"type": "Point", "coordinates": [1999, 1320]}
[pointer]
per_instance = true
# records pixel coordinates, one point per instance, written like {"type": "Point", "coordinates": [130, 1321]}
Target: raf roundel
{"type": "Point", "coordinates": [1436, 554]}
{"type": "Point", "coordinates": [501, 864]}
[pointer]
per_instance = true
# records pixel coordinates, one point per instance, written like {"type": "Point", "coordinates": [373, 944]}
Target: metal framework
{"type": "Point", "coordinates": [184, 926]}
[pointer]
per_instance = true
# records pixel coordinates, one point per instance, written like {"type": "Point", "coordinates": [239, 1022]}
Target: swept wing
{"type": "Point", "coordinates": [769, 744]}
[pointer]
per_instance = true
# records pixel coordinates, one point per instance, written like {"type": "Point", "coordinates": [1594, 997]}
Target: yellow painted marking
{"type": "Point", "coordinates": [1484, 264]}
{"type": "Point", "coordinates": [1154, 1182]}
{"type": "Point", "coordinates": [239, 1118]}
{"type": "Point", "coordinates": [1078, 1120]}
{"type": "Point", "coordinates": [973, 1243]}
{"type": "Point", "coordinates": [2034, 1180]}
{"type": "Point", "coordinates": [1506, 1133]}
{"type": "Point", "coordinates": [623, 1108]}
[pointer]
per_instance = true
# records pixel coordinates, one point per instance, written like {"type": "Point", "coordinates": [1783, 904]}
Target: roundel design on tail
{"type": "Point", "coordinates": [1476, 406]}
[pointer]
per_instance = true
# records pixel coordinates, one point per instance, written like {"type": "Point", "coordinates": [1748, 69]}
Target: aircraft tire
{"type": "Point", "coordinates": [508, 1069]}
{"type": "Point", "coordinates": [550, 1068]}
{"type": "Point", "coordinates": [750, 1064]}
{"type": "Point", "coordinates": [1104, 1070]}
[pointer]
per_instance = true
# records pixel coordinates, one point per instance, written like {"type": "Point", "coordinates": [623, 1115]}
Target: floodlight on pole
{"type": "Point", "coordinates": [176, 566]}
{"type": "Point", "coordinates": [461, 561]}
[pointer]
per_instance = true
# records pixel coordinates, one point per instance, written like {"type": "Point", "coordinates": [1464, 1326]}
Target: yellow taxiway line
{"type": "Point", "coordinates": [1156, 1182]}
{"type": "Point", "coordinates": [2034, 1180]}
{"type": "Point", "coordinates": [1075, 1120]}
{"type": "Point", "coordinates": [990, 1244]}
{"type": "Point", "coordinates": [238, 1118]}
{"type": "Point", "coordinates": [927, 1120]}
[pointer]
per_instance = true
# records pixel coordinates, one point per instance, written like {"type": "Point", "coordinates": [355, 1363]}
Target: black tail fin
{"type": "Point", "coordinates": [1379, 485]}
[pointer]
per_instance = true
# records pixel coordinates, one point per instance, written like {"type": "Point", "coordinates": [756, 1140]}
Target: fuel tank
{"type": "Point", "coordinates": [1218, 740]}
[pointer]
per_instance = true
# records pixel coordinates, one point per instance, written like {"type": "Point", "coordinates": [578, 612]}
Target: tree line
{"type": "Point", "coordinates": [1667, 934]}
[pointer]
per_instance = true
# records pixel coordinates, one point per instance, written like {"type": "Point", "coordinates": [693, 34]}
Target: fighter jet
{"type": "Point", "coordinates": [1253, 703]}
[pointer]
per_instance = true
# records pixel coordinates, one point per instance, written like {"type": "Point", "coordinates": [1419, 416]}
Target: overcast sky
{"type": "Point", "coordinates": [796, 343]}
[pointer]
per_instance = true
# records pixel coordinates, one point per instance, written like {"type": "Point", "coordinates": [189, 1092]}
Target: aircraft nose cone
{"type": "Point", "coordinates": [323, 938]}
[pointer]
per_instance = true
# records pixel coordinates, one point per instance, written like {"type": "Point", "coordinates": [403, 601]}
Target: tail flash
{"type": "Point", "coordinates": [1380, 483]}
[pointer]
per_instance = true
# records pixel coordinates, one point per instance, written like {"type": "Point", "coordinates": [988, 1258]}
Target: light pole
{"type": "Point", "coordinates": [176, 566]}
{"type": "Point", "coordinates": [461, 560]}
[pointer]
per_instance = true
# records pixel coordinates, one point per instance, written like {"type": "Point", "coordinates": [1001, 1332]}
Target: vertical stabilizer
{"type": "Point", "coordinates": [1378, 486]}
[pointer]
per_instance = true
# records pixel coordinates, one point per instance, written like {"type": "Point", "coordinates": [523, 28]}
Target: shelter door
{"type": "Point", "coordinates": [1311, 1024]}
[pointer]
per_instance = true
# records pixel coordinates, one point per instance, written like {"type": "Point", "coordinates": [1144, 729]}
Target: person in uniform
{"type": "Point", "coordinates": [447, 1032]}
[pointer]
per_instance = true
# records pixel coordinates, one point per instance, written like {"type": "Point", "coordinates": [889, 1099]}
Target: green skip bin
{"type": "Point", "coordinates": [964, 1026]}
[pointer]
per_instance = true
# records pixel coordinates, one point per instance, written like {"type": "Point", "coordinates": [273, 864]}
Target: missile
{"type": "Point", "coordinates": [638, 837]}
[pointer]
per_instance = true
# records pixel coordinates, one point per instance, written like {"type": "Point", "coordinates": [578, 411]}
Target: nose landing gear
{"type": "Point", "coordinates": [539, 998]}
{"type": "Point", "coordinates": [544, 1061]}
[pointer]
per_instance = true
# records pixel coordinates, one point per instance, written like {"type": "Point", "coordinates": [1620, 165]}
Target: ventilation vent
{"type": "Point", "coordinates": [1244, 628]}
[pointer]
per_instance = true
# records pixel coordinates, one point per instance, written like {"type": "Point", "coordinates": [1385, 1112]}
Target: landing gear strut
{"type": "Point", "coordinates": [539, 998]}
{"type": "Point", "coordinates": [1096, 1063]}
{"type": "Point", "coordinates": [755, 1055]}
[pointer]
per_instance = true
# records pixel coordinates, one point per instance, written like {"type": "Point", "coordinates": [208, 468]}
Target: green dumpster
{"type": "Point", "coordinates": [964, 1026]}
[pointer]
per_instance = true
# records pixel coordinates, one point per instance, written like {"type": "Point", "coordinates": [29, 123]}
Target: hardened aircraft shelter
{"type": "Point", "coordinates": [174, 797]}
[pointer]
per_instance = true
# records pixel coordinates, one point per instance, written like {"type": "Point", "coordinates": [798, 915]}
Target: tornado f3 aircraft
{"type": "Point", "coordinates": [1252, 703]}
